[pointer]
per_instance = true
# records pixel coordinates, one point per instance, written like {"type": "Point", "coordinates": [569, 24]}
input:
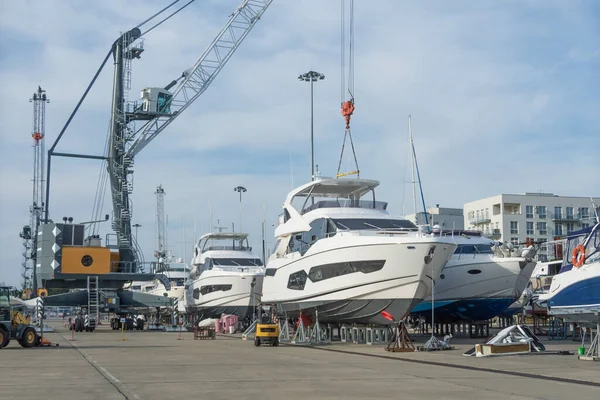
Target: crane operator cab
{"type": "Point", "coordinates": [156, 101]}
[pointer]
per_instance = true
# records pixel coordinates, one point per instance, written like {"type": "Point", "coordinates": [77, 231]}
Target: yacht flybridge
{"type": "Point", "coordinates": [340, 253]}
{"type": "Point", "coordinates": [225, 278]}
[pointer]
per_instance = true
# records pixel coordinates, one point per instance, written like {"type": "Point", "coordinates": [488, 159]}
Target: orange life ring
{"type": "Point", "coordinates": [578, 257]}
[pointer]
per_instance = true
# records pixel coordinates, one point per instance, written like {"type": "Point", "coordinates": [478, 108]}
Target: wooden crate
{"type": "Point", "coordinates": [204, 332]}
{"type": "Point", "coordinates": [485, 350]}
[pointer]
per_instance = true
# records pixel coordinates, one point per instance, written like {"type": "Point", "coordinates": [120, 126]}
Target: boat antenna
{"type": "Point", "coordinates": [291, 170]}
{"type": "Point", "coordinates": [347, 105]}
{"type": "Point", "coordinates": [210, 223]}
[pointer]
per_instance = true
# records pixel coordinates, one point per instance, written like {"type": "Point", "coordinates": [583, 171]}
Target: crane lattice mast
{"type": "Point", "coordinates": [30, 232]}
{"type": "Point", "coordinates": [158, 108]}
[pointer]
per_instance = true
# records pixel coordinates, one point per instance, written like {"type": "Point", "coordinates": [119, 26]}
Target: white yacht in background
{"type": "Point", "coordinates": [177, 272]}
{"type": "Point", "coordinates": [226, 277]}
{"type": "Point", "coordinates": [480, 281]}
{"type": "Point", "coordinates": [342, 254]}
{"type": "Point", "coordinates": [574, 293]}
{"type": "Point", "coordinates": [139, 286]}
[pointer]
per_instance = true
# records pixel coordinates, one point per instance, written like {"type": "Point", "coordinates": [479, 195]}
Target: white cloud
{"type": "Point", "coordinates": [504, 98]}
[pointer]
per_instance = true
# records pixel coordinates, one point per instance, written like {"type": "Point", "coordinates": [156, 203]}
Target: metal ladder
{"type": "Point", "coordinates": [93, 300]}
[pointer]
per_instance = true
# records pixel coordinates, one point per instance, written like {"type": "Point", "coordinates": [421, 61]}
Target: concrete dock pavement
{"type": "Point", "coordinates": [155, 365]}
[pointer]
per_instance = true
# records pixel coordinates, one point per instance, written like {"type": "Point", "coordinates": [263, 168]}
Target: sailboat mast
{"type": "Point", "coordinates": [412, 163]}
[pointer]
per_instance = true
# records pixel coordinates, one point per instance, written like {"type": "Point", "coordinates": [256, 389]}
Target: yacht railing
{"type": "Point", "coordinates": [237, 248]}
{"type": "Point", "coordinates": [347, 203]}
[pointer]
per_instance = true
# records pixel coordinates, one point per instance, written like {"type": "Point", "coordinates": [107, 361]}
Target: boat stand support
{"type": "Point", "coordinates": [400, 341]}
{"type": "Point", "coordinates": [593, 353]}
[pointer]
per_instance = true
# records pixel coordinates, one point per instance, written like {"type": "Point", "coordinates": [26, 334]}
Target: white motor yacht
{"type": "Point", "coordinates": [480, 281]}
{"type": "Point", "coordinates": [339, 252]}
{"type": "Point", "coordinates": [226, 277]}
{"type": "Point", "coordinates": [574, 293]}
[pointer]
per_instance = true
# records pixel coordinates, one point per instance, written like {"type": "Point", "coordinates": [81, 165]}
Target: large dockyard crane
{"type": "Point", "coordinates": [68, 260]}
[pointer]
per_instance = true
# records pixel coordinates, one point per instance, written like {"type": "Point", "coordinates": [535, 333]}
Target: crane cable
{"type": "Point", "coordinates": [165, 19]}
{"type": "Point", "coordinates": [103, 175]}
{"type": "Point", "coordinates": [100, 190]}
{"type": "Point", "coordinates": [157, 14]}
{"type": "Point", "coordinates": [347, 105]}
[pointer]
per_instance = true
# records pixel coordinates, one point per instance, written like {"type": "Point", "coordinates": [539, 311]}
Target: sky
{"type": "Point", "coordinates": [504, 97]}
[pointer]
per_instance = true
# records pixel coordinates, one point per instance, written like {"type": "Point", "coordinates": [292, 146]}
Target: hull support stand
{"type": "Point", "coordinates": [593, 353]}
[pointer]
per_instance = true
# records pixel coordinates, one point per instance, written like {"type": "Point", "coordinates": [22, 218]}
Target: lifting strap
{"type": "Point", "coordinates": [347, 105]}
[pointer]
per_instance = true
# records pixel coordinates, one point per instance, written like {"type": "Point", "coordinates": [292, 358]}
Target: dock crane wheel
{"type": "Point", "coordinates": [4, 337]}
{"type": "Point", "coordinates": [29, 337]}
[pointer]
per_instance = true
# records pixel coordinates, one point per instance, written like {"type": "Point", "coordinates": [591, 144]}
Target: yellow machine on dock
{"type": "Point", "coordinates": [13, 325]}
{"type": "Point", "coordinates": [267, 332]}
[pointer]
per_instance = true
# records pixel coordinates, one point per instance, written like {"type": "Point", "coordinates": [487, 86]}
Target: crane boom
{"type": "Point", "coordinates": [158, 108]}
{"type": "Point", "coordinates": [195, 80]}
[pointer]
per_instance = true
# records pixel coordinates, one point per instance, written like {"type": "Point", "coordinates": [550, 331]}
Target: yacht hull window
{"type": "Point", "coordinates": [328, 271]}
{"type": "Point", "coordinates": [204, 290]}
{"type": "Point", "coordinates": [297, 280]}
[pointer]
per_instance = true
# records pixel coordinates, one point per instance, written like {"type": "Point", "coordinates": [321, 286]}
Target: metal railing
{"type": "Point", "coordinates": [479, 220]}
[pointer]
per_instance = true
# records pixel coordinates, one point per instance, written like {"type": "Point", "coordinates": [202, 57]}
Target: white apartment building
{"type": "Point", "coordinates": [446, 218]}
{"type": "Point", "coordinates": [539, 217]}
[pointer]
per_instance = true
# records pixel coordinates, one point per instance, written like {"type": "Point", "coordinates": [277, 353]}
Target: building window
{"type": "Point", "coordinates": [584, 213]}
{"type": "Point", "coordinates": [542, 228]}
{"type": "Point", "coordinates": [514, 227]}
{"type": "Point", "coordinates": [558, 212]}
{"type": "Point", "coordinates": [558, 231]}
{"type": "Point", "coordinates": [569, 227]}
{"type": "Point", "coordinates": [541, 212]}
{"type": "Point", "coordinates": [514, 241]}
{"type": "Point", "coordinates": [569, 212]}
{"type": "Point", "coordinates": [528, 211]}
{"type": "Point", "coordinates": [584, 225]}
{"type": "Point", "coordinates": [487, 213]}
{"type": "Point", "coordinates": [530, 227]}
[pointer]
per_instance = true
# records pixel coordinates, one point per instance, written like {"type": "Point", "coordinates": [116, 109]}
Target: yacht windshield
{"type": "Point", "coordinates": [224, 243]}
{"type": "Point", "coordinates": [240, 262]}
{"type": "Point", "coordinates": [352, 224]}
{"type": "Point", "coordinates": [474, 249]}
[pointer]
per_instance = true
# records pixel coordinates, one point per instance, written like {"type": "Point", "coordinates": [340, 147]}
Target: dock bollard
{"type": "Point", "coordinates": [180, 328]}
{"type": "Point", "coordinates": [72, 330]}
